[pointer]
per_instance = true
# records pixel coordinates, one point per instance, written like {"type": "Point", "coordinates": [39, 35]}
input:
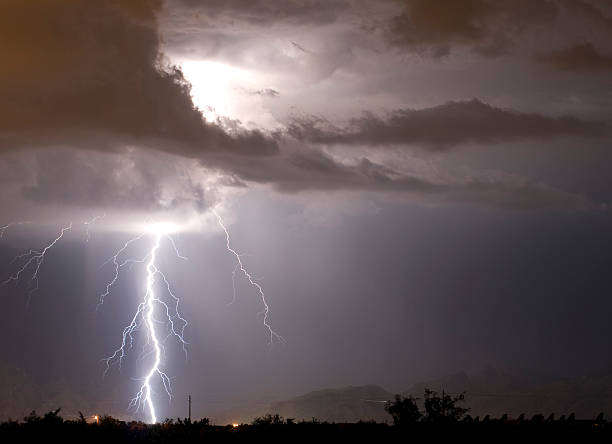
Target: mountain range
{"type": "Point", "coordinates": [490, 392]}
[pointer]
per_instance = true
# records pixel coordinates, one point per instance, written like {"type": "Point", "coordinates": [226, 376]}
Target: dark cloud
{"type": "Point", "coordinates": [313, 170]}
{"type": "Point", "coordinates": [131, 182]}
{"type": "Point", "coordinates": [486, 26]}
{"type": "Point", "coordinates": [143, 181]}
{"type": "Point", "coordinates": [599, 13]}
{"type": "Point", "coordinates": [90, 77]}
{"type": "Point", "coordinates": [266, 92]}
{"type": "Point", "coordinates": [582, 58]}
{"type": "Point", "coordinates": [263, 12]}
{"type": "Point", "coordinates": [90, 74]}
{"type": "Point", "coordinates": [443, 126]}
{"type": "Point", "coordinates": [493, 28]}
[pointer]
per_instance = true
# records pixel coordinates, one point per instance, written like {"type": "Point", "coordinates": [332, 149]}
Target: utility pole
{"type": "Point", "coordinates": [189, 408]}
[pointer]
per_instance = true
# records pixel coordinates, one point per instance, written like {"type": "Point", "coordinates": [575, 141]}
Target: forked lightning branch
{"type": "Point", "coordinates": [157, 314]}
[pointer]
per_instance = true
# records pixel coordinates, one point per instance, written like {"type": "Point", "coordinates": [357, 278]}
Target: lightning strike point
{"type": "Point", "coordinates": [151, 306]}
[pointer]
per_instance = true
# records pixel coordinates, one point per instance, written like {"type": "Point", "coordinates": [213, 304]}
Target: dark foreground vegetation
{"type": "Point", "coordinates": [442, 419]}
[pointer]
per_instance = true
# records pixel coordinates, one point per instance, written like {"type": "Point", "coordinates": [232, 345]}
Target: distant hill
{"type": "Point", "coordinates": [494, 392]}
{"type": "Point", "coordinates": [491, 392]}
{"type": "Point", "coordinates": [349, 404]}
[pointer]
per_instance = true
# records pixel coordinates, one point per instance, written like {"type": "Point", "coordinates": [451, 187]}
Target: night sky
{"type": "Point", "coordinates": [419, 186]}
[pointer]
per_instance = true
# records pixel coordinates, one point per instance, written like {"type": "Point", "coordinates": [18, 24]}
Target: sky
{"type": "Point", "coordinates": [419, 186]}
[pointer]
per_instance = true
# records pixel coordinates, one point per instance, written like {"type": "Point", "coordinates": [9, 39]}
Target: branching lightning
{"type": "Point", "coordinates": [145, 315]}
{"type": "Point", "coordinates": [89, 223]}
{"type": "Point", "coordinates": [9, 225]}
{"type": "Point", "coordinates": [157, 313]}
{"type": "Point", "coordinates": [118, 265]}
{"type": "Point", "coordinates": [266, 308]}
{"type": "Point", "coordinates": [34, 258]}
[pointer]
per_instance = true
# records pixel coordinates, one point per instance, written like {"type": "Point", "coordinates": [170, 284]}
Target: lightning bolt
{"type": "Point", "coordinates": [146, 314]}
{"type": "Point", "coordinates": [239, 265]}
{"type": "Point", "coordinates": [36, 259]}
{"type": "Point", "coordinates": [157, 313]}
{"type": "Point", "coordinates": [118, 266]}
{"type": "Point", "coordinates": [88, 224]}
{"type": "Point", "coordinates": [9, 225]}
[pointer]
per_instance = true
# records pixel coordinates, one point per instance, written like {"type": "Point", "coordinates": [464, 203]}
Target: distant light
{"type": "Point", "coordinates": [235, 425]}
{"type": "Point", "coordinates": [97, 419]}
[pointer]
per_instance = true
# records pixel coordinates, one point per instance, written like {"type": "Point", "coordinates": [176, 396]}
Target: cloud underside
{"type": "Point", "coordinates": [486, 26]}
{"type": "Point", "coordinates": [90, 74]}
{"type": "Point", "coordinates": [489, 28]}
{"type": "Point", "coordinates": [88, 77]}
{"type": "Point", "coordinates": [264, 12]}
{"type": "Point", "coordinates": [443, 127]}
{"type": "Point", "coordinates": [583, 58]}
{"type": "Point", "coordinates": [143, 181]}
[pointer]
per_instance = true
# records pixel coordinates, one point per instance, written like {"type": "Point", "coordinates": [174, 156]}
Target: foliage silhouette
{"type": "Point", "coordinates": [440, 409]}
{"type": "Point", "coordinates": [271, 428]}
{"type": "Point", "coordinates": [403, 410]}
{"type": "Point", "coordinates": [268, 420]}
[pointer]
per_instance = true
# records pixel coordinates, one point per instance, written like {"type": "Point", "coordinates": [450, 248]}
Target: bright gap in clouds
{"type": "Point", "coordinates": [221, 90]}
{"type": "Point", "coordinates": [216, 87]}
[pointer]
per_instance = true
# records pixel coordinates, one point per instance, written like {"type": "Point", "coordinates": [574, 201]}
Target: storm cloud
{"type": "Point", "coordinates": [581, 58]}
{"type": "Point", "coordinates": [487, 26]}
{"type": "Point", "coordinates": [425, 181]}
{"type": "Point", "coordinates": [445, 126]}
{"type": "Point", "coordinates": [490, 28]}
{"type": "Point", "coordinates": [263, 13]}
{"type": "Point", "coordinates": [96, 80]}
{"type": "Point", "coordinates": [91, 75]}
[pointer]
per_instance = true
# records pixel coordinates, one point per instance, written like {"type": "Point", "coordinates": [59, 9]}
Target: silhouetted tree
{"type": "Point", "coordinates": [268, 419]}
{"type": "Point", "coordinates": [403, 410]}
{"type": "Point", "coordinates": [202, 422]}
{"type": "Point", "coordinates": [32, 417]}
{"type": "Point", "coordinates": [538, 417]}
{"type": "Point", "coordinates": [53, 415]}
{"type": "Point", "coordinates": [443, 408]}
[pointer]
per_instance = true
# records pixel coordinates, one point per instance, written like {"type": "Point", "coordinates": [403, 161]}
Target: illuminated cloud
{"type": "Point", "coordinates": [90, 75]}
{"type": "Point", "coordinates": [103, 85]}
